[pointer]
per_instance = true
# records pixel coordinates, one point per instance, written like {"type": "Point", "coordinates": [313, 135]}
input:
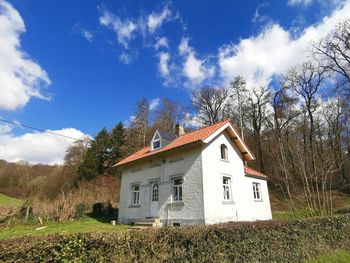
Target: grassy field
{"type": "Point", "coordinates": [7, 200]}
{"type": "Point", "coordinates": [339, 256]}
{"type": "Point", "coordinates": [84, 225]}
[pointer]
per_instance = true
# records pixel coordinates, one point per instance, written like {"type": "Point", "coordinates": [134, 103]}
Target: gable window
{"type": "Point", "coordinates": [177, 189]}
{"type": "Point", "coordinates": [256, 191]}
{"type": "Point", "coordinates": [156, 142]}
{"type": "Point", "coordinates": [226, 183]}
{"type": "Point", "coordinates": [223, 149]}
{"type": "Point", "coordinates": [135, 194]}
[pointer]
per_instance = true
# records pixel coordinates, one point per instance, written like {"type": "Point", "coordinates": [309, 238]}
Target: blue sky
{"type": "Point", "coordinates": [75, 67]}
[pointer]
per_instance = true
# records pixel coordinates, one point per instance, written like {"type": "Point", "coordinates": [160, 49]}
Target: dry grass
{"type": "Point", "coordinates": [64, 207]}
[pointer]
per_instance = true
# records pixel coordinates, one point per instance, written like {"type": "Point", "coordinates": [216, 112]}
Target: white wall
{"type": "Point", "coordinates": [242, 207]}
{"type": "Point", "coordinates": [186, 164]}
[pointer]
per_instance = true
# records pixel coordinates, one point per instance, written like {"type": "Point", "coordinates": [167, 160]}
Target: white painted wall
{"type": "Point", "coordinates": [186, 164]}
{"type": "Point", "coordinates": [242, 207]}
{"type": "Point", "coordinates": [202, 171]}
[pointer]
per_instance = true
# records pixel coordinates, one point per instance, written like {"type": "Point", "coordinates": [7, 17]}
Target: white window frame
{"type": "Point", "coordinates": [155, 195]}
{"type": "Point", "coordinates": [257, 191]}
{"type": "Point", "coordinates": [135, 194]}
{"type": "Point", "coordinates": [178, 188]}
{"type": "Point", "coordinates": [223, 146]}
{"type": "Point", "coordinates": [159, 139]}
{"type": "Point", "coordinates": [226, 188]}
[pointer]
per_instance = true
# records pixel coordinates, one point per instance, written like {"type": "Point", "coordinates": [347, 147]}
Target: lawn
{"type": "Point", "coordinates": [7, 200]}
{"type": "Point", "coordinates": [339, 256]}
{"type": "Point", "coordinates": [84, 225]}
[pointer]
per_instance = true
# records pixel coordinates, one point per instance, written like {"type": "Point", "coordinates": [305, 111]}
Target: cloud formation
{"type": "Point", "coordinates": [36, 147]}
{"type": "Point", "coordinates": [154, 104]}
{"type": "Point", "coordinates": [20, 77]}
{"type": "Point", "coordinates": [155, 20]}
{"type": "Point", "coordinates": [274, 50]}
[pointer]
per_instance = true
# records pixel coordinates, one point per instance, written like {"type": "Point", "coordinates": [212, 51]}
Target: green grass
{"type": "Point", "coordinates": [283, 215]}
{"type": "Point", "coordinates": [7, 200]}
{"type": "Point", "coordinates": [84, 225]}
{"type": "Point", "coordinates": [339, 256]}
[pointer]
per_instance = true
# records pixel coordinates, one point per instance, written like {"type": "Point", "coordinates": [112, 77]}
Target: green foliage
{"type": "Point", "coordinates": [81, 210]}
{"type": "Point", "coordinates": [340, 256]}
{"type": "Point", "coordinates": [104, 151]}
{"type": "Point", "coordinates": [86, 224]}
{"type": "Point", "coordinates": [7, 200]}
{"type": "Point", "coordinates": [273, 241]}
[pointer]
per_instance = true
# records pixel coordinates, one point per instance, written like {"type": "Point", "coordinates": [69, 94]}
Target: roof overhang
{"type": "Point", "coordinates": [237, 140]}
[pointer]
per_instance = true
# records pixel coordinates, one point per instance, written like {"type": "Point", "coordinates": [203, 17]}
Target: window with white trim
{"type": "Point", "coordinates": [223, 149]}
{"type": "Point", "coordinates": [177, 189]}
{"type": "Point", "coordinates": [135, 194]}
{"type": "Point", "coordinates": [257, 191]}
{"type": "Point", "coordinates": [226, 183]}
{"type": "Point", "coordinates": [155, 192]}
{"type": "Point", "coordinates": [156, 143]}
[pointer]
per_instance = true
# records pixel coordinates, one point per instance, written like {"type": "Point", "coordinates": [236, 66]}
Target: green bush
{"type": "Point", "coordinates": [270, 241]}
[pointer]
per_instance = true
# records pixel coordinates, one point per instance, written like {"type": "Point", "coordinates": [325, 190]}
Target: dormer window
{"type": "Point", "coordinates": [223, 149]}
{"type": "Point", "coordinates": [156, 142]}
{"type": "Point", "coordinates": [161, 139]}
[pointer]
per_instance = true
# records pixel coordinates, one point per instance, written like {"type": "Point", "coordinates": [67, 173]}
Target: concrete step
{"type": "Point", "coordinates": [149, 222]}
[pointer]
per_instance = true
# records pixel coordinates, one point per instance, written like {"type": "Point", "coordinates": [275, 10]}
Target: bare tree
{"type": "Point", "coordinates": [170, 114]}
{"type": "Point", "coordinates": [210, 104]}
{"type": "Point", "coordinates": [307, 79]}
{"type": "Point", "coordinates": [335, 50]}
{"type": "Point", "coordinates": [256, 110]}
{"type": "Point", "coordinates": [238, 93]}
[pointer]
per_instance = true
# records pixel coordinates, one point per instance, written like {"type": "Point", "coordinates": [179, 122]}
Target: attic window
{"type": "Point", "coordinates": [156, 144]}
{"type": "Point", "coordinates": [223, 149]}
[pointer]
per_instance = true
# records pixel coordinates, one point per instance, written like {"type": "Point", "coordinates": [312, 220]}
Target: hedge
{"type": "Point", "coordinates": [269, 241]}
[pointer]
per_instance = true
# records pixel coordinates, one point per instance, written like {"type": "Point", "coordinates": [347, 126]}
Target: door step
{"type": "Point", "coordinates": [149, 222]}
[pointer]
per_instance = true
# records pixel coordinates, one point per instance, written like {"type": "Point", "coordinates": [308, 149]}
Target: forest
{"type": "Point", "coordinates": [298, 128]}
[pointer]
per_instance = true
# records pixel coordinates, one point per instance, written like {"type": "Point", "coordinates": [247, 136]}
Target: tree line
{"type": "Point", "coordinates": [299, 128]}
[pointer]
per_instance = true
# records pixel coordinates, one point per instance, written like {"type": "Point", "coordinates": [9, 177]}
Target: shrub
{"type": "Point", "coordinates": [270, 241]}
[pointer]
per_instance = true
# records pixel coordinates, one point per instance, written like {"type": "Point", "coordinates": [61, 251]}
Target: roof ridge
{"type": "Point", "coordinates": [226, 120]}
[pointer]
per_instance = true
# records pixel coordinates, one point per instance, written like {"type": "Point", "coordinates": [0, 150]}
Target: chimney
{"type": "Point", "coordinates": [179, 130]}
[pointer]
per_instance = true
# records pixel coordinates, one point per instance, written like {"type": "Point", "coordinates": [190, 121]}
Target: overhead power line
{"type": "Point", "coordinates": [41, 130]}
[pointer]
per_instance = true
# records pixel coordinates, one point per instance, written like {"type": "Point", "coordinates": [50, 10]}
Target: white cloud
{"type": "Point", "coordinates": [299, 2]}
{"type": "Point", "coordinates": [155, 20]}
{"type": "Point", "coordinates": [274, 50]}
{"type": "Point", "coordinates": [20, 77]}
{"type": "Point", "coordinates": [258, 17]}
{"type": "Point", "coordinates": [87, 35]}
{"type": "Point", "coordinates": [196, 70]}
{"type": "Point", "coordinates": [184, 47]}
{"type": "Point", "coordinates": [125, 58]}
{"type": "Point", "coordinates": [124, 29]}
{"type": "Point", "coordinates": [163, 65]}
{"type": "Point", "coordinates": [154, 104]}
{"type": "Point", "coordinates": [162, 42]}
{"type": "Point", "coordinates": [37, 147]}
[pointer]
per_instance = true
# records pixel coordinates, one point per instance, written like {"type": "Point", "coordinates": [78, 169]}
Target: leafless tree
{"type": "Point", "coordinates": [256, 110]}
{"type": "Point", "coordinates": [210, 104]}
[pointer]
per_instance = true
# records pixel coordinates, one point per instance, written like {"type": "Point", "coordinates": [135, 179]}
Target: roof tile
{"type": "Point", "coordinates": [195, 136]}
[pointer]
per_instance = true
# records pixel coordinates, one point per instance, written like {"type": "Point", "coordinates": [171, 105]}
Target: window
{"type": "Point", "coordinates": [177, 189]}
{"type": "Point", "coordinates": [155, 192]}
{"type": "Point", "coordinates": [226, 183]}
{"type": "Point", "coordinates": [156, 142]}
{"type": "Point", "coordinates": [256, 191]}
{"type": "Point", "coordinates": [223, 149]}
{"type": "Point", "coordinates": [135, 194]}
{"type": "Point", "coordinates": [156, 145]}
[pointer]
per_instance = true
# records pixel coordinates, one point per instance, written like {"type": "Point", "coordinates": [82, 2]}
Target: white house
{"type": "Point", "coordinates": [193, 178]}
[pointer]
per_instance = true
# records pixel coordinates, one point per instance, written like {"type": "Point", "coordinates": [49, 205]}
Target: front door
{"type": "Point", "coordinates": [154, 199]}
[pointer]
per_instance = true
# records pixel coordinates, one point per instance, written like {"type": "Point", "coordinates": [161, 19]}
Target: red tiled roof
{"type": "Point", "coordinates": [186, 139]}
{"type": "Point", "coordinates": [253, 172]}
